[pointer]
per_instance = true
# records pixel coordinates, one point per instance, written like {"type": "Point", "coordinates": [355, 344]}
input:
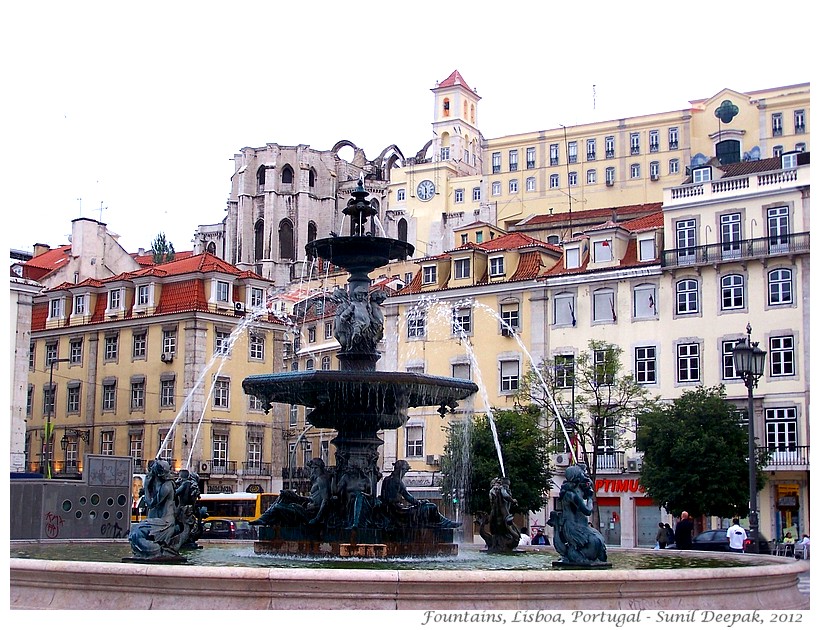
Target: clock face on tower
{"type": "Point", "coordinates": [426, 190]}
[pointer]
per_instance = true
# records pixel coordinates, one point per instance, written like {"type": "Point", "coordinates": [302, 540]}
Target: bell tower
{"type": "Point", "coordinates": [457, 138]}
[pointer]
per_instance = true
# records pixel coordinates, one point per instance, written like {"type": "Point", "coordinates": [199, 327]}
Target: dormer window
{"type": "Point", "coordinates": [114, 299]}
{"type": "Point", "coordinates": [428, 274]}
{"type": "Point", "coordinates": [572, 257]}
{"type": "Point", "coordinates": [257, 297]}
{"type": "Point", "coordinates": [143, 295]}
{"type": "Point", "coordinates": [701, 175]}
{"type": "Point", "coordinates": [222, 291]}
{"type": "Point", "coordinates": [497, 266]}
{"type": "Point", "coordinates": [789, 160]}
{"type": "Point", "coordinates": [646, 249]}
{"type": "Point", "coordinates": [79, 304]}
{"type": "Point", "coordinates": [55, 308]}
{"type": "Point", "coordinates": [461, 268]}
{"type": "Point", "coordinates": [603, 250]}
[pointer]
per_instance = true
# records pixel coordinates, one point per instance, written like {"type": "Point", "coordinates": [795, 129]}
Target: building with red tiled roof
{"type": "Point", "coordinates": [155, 351]}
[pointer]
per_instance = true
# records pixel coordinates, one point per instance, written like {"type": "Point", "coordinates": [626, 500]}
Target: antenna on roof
{"type": "Point", "coordinates": [80, 199]}
{"type": "Point", "coordinates": [101, 210]}
{"type": "Point", "coordinates": [593, 96]}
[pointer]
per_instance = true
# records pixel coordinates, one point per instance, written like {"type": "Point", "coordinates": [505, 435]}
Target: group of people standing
{"type": "Point", "coordinates": [681, 536]}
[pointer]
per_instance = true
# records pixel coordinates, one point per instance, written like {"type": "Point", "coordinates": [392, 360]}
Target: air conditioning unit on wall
{"type": "Point", "coordinates": [433, 460]}
{"type": "Point", "coordinates": [561, 460]}
{"type": "Point", "coordinates": [634, 464]}
{"type": "Point", "coordinates": [166, 357]}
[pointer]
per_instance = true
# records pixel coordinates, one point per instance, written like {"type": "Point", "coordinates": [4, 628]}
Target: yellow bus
{"type": "Point", "coordinates": [237, 506]}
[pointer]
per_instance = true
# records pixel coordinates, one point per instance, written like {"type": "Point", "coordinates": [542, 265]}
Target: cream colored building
{"type": "Point", "coordinates": [157, 351]}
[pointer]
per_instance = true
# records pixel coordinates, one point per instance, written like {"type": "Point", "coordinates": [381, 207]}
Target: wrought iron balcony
{"type": "Point", "coordinates": [736, 250]}
{"type": "Point", "coordinates": [786, 457]}
{"type": "Point", "coordinates": [256, 469]}
{"type": "Point", "coordinates": [219, 467]}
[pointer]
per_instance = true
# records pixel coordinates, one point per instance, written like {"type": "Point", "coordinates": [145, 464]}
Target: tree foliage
{"type": "Point", "coordinates": [696, 454]}
{"type": "Point", "coordinates": [470, 460]}
{"type": "Point", "coordinates": [162, 249]}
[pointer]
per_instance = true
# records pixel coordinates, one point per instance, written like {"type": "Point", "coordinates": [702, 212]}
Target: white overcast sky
{"type": "Point", "coordinates": [140, 107]}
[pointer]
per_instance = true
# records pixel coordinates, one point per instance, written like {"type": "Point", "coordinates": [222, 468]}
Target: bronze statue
{"type": "Point", "coordinates": [402, 508]}
{"type": "Point", "coordinates": [159, 536]}
{"type": "Point", "coordinates": [291, 508]}
{"type": "Point", "coordinates": [575, 539]}
{"type": "Point", "coordinates": [503, 535]}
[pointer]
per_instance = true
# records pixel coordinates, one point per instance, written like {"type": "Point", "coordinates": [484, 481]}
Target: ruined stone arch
{"type": "Point", "coordinates": [287, 248]}
{"type": "Point", "coordinates": [259, 240]}
{"type": "Point", "coordinates": [287, 174]}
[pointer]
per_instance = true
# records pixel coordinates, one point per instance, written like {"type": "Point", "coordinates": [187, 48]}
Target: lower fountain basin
{"type": "Point", "coordinates": [358, 399]}
{"type": "Point", "coordinates": [470, 581]}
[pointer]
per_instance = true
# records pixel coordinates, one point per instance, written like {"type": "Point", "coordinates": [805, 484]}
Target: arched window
{"type": "Point", "coordinates": [311, 178]}
{"type": "Point", "coordinates": [260, 179]}
{"type": "Point", "coordinates": [259, 240]}
{"type": "Point", "coordinates": [446, 107]}
{"type": "Point", "coordinates": [286, 246]}
{"type": "Point", "coordinates": [472, 114]}
{"type": "Point", "coordinates": [403, 230]}
{"type": "Point", "coordinates": [211, 248]}
{"type": "Point", "coordinates": [311, 235]}
{"type": "Point", "coordinates": [325, 362]}
{"type": "Point", "coordinates": [287, 174]}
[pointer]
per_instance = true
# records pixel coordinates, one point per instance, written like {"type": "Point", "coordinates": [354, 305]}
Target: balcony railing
{"type": "Point", "coordinates": [786, 457]}
{"type": "Point", "coordinates": [256, 469]}
{"type": "Point", "coordinates": [220, 467]}
{"type": "Point", "coordinates": [737, 250]}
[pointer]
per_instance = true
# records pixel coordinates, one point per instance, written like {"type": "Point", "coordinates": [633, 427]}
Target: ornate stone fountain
{"type": "Point", "coordinates": [344, 515]}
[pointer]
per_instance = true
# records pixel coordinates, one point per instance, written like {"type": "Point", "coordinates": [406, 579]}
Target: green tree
{"type": "Point", "coordinates": [596, 400]}
{"type": "Point", "coordinates": [162, 250]}
{"type": "Point", "coordinates": [696, 455]}
{"type": "Point", "coordinates": [471, 461]}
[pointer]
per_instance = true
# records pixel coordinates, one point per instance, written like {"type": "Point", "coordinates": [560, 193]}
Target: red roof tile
{"type": "Point", "coordinates": [187, 295]}
{"type": "Point", "coordinates": [454, 79]}
{"type": "Point", "coordinates": [40, 266]}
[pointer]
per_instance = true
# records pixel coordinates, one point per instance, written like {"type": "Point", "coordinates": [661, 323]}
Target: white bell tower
{"type": "Point", "coordinates": [457, 138]}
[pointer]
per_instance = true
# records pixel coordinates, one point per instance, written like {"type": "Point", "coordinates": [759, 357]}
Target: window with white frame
{"type": "Point", "coordinates": [254, 403]}
{"type": "Point", "coordinates": [572, 178]}
{"type": "Point", "coordinates": [219, 445]}
{"type": "Point", "coordinates": [329, 330]}
{"type": "Point", "coordinates": [73, 398]}
{"type": "Point", "coordinates": [789, 160]}
{"type": "Point", "coordinates": [462, 320]}
{"type": "Point", "coordinates": [135, 447]}
{"type": "Point", "coordinates": [221, 342]}
{"type": "Point", "coordinates": [496, 188]}
{"type": "Point", "coordinates": [476, 193]}
{"type": "Point", "coordinates": [590, 148]}
{"type": "Point", "coordinates": [79, 304]}
{"type": "Point", "coordinates": [673, 138]}
{"type": "Point", "coordinates": [513, 186]}
{"type": "Point", "coordinates": [564, 370]}
{"type": "Point", "coordinates": [592, 176]}
{"type": "Point", "coordinates": [326, 362]}
{"type": "Point", "coordinates": [509, 375]}
{"type": "Point", "coordinates": [106, 443]}
{"type": "Point", "coordinates": [554, 156]}
{"type": "Point", "coordinates": [496, 161]}
{"type": "Point", "coordinates": [572, 257]}
{"type": "Point", "coordinates": [254, 445]}
{"type": "Point", "coordinates": [75, 351]}
{"type": "Point", "coordinates": [114, 299]}
{"type": "Point", "coordinates": [646, 249]}
{"type": "Point", "coordinates": [257, 297]}
{"type": "Point", "coordinates": [555, 181]}
{"type": "Point", "coordinates": [645, 300]}
{"type": "Point", "coordinates": [572, 152]}
{"type": "Point", "coordinates": [461, 370]}
{"type": "Point", "coordinates": [459, 195]}
{"type": "Point", "coordinates": [687, 297]}
{"type": "Point", "coordinates": [654, 170]}
{"type": "Point", "coordinates": [778, 229]}
{"type": "Point", "coordinates": [143, 295]}
{"type": "Point", "coordinates": [563, 309]}
{"type": "Point", "coordinates": [799, 121]}
{"type": "Point", "coordinates": [602, 250]}
{"type": "Point", "coordinates": [497, 266]}
{"type": "Point", "coordinates": [256, 347]}
{"type": "Point", "coordinates": [780, 287]}
{"type": "Point", "coordinates": [732, 292]}
{"type": "Point", "coordinates": [401, 194]}
{"type": "Point", "coordinates": [311, 334]}
{"type": "Point", "coordinates": [635, 143]}
{"type": "Point", "coordinates": [415, 324]}
{"type": "Point", "coordinates": [510, 316]}
{"type": "Point", "coordinates": [137, 393]}
{"type": "Point", "coordinates": [603, 366]}
{"type": "Point", "coordinates": [531, 157]}
{"type": "Point", "coordinates": [414, 447]}
{"type": "Point", "coordinates": [169, 342]}
{"type": "Point", "coordinates": [609, 146]}
{"type": "Point", "coordinates": [309, 365]}
{"type": "Point", "coordinates": [728, 359]}
{"type": "Point", "coordinates": [646, 365]}
{"type": "Point", "coordinates": [674, 166]}
{"type": "Point", "coordinates": [686, 240]}
{"type": "Point", "coordinates": [603, 306]}
{"type": "Point", "coordinates": [111, 347]}
{"type": "Point", "coordinates": [688, 362]}
{"type": "Point", "coordinates": [654, 141]}
{"type": "Point", "coordinates": [167, 452]}
{"type": "Point", "coordinates": [222, 391]}
{"type": "Point", "coordinates": [139, 344]}
{"type": "Point", "coordinates": [781, 356]}
{"type": "Point", "coordinates": [167, 391]}
{"type": "Point", "coordinates": [223, 291]}
{"type": "Point", "coordinates": [51, 353]}
{"type": "Point", "coordinates": [461, 268]}
{"type": "Point", "coordinates": [777, 150]}
{"type": "Point", "coordinates": [428, 274]}
{"type": "Point", "coordinates": [781, 429]}
{"type": "Point", "coordinates": [530, 184]}
{"type": "Point", "coordinates": [513, 156]}
{"type": "Point", "coordinates": [109, 394]}
{"type": "Point", "coordinates": [55, 308]}
{"type": "Point", "coordinates": [701, 175]}
{"type": "Point", "coordinates": [293, 415]}
{"type": "Point", "coordinates": [730, 235]}
{"type": "Point", "coordinates": [777, 124]}
{"type": "Point", "coordinates": [445, 153]}
{"type": "Point", "coordinates": [635, 171]}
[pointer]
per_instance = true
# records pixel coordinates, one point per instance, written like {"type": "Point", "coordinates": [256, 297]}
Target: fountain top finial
{"type": "Point", "coordinates": [359, 209]}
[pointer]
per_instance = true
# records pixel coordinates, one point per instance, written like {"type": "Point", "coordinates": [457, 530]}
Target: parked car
{"type": "Point", "coordinates": [715, 540]}
{"type": "Point", "coordinates": [228, 529]}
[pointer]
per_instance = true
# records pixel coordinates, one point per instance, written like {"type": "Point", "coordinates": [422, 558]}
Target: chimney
{"type": "Point", "coordinates": [41, 248]}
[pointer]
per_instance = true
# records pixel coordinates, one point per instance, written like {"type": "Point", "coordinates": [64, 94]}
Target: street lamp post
{"type": "Point", "coordinates": [49, 429]}
{"type": "Point", "coordinates": [749, 361]}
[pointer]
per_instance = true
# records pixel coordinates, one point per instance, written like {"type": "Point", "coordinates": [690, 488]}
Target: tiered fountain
{"type": "Point", "coordinates": [344, 516]}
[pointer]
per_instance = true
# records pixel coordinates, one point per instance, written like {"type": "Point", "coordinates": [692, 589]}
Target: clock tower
{"type": "Point", "coordinates": [457, 139]}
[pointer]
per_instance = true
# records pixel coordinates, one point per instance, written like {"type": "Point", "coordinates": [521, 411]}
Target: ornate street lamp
{"type": "Point", "coordinates": [48, 429]}
{"type": "Point", "coordinates": [750, 362]}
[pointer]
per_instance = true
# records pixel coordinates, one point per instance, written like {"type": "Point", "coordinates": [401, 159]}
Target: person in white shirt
{"type": "Point", "coordinates": [737, 536]}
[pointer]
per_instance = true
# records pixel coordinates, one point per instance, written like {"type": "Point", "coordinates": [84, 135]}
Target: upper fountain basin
{"type": "Point", "coordinates": [355, 252]}
{"type": "Point", "coordinates": [358, 399]}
